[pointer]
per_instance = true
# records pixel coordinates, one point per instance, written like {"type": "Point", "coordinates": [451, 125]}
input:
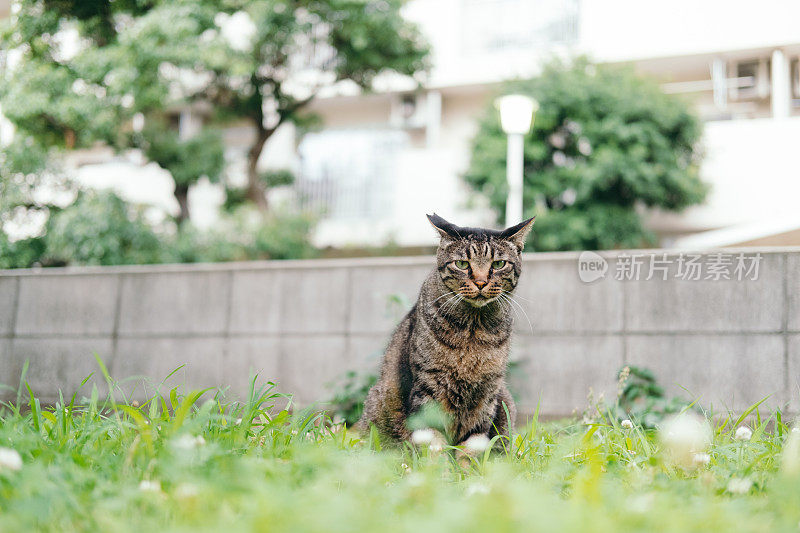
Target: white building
{"type": "Point", "coordinates": [385, 159]}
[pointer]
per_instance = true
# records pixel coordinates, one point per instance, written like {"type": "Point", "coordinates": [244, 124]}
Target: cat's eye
{"type": "Point", "coordinates": [498, 264]}
{"type": "Point", "coordinates": [463, 265]}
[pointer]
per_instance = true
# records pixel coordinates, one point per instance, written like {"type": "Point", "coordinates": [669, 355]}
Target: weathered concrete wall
{"type": "Point", "coordinates": [304, 323]}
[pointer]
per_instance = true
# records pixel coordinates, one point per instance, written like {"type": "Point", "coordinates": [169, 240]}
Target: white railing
{"type": "Point", "coordinates": [349, 174]}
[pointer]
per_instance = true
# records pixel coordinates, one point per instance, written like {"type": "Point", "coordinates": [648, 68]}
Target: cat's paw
{"type": "Point", "coordinates": [430, 438]}
{"type": "Point", "coordinates": [476, 444]}
{"type": "Point", "coordinates": [468, 449]}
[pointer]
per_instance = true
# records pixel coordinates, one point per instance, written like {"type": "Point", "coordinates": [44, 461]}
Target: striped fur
{"type": "Point", "coordinates": [452, 347]}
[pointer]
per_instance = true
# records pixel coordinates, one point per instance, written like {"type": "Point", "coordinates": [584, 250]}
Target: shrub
{"type": "Point", "coordinates": [20, 254]}
{"type": "Point", "coordinates": [348, 398]}
{"type": "Point", "coordinates": [248, 234]}
{"type": "Point", "coordinates": [641, 398]}
{"type": "Point", "coordinates": [100, 228]}
{"type": "Point", "coordinates": [606, 142]}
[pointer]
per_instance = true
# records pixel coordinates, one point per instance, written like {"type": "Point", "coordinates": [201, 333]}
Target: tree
{"type": "Point", "coordinates": [187, 160]}
{"type": "Point", "coordinates": [100, 229]}
{"type": "Point", "coordinates": [57, 99]}
{"type": "Point", "coordinates": [264, 61]}
{"type": "Point", "coordinates": [32, 187]}
{"type": "Point", "coordinates": [606, 142]}
{"type": "Point", "coordinates": [260, 61]}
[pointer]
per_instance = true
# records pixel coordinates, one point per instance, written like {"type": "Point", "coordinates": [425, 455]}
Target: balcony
{"type": "Point", "coordinates": [752, 168]}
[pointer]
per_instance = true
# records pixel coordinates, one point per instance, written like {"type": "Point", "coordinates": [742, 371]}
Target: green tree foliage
{"type": "Point", "coordinates": [284, 52]}
{"type": "Point", "coordinates": [30, 182]}
{"type": "Point", "coordinates": [248, 234]}
{"type": "Point", "coordinates": [187, 160]}
{"type": "Point", "coordinates": [100, 229]}
{"type": "Point", "coordinates": [261, 62]}
{"type": "Point", "coordinates": [606, 142]}
{"type": "Point", "coordinates": [75, 73]}
{"type": "Point", "coordinates": [24, 168]}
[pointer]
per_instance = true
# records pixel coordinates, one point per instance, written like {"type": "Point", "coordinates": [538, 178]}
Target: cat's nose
{"type": "Point", "coordinates": [480, 283]}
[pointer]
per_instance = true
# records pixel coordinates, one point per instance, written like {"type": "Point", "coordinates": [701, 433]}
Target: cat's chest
{"type": "Point", "coordinates": [468, 378]}
{"type": "Point", "coordinates": [471, 363]}
{"type": "Point", "coordinates": [464, 351]}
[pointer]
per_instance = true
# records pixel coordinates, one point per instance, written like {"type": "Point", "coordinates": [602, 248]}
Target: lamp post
{"type": "Point", "coordinates": [516, 119]}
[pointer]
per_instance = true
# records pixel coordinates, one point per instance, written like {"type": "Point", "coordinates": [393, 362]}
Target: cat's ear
{"type": "Point", "coordinates": [518, 233]}
{"type": "Point", "coordinates": [447, 230]}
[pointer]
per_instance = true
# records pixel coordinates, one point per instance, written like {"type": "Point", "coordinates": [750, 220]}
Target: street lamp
{"type": "Point", "coordinates": [516, 119]}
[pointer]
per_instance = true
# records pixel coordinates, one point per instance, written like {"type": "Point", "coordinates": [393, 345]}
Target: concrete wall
{"type": "Point", "coordinates": [304, 323]}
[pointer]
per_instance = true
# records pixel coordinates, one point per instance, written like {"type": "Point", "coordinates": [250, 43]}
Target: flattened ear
{"type": "Point", "coordinates": [517, 234]}
{"type": "Point", "coordinates": [446, 229]}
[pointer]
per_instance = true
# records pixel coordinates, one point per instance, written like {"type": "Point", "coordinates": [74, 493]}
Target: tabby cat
{"type": "Point", "coordinates": [452, 347]}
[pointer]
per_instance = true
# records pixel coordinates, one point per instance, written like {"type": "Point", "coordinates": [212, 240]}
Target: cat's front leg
{"type": "Point", "coordinates": [504, 418]}
{"type": "Point", "coordinates": [419, 396]}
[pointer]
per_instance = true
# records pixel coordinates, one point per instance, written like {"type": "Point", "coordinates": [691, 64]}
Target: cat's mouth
{"type": "Point", "coordinates": [479, 300]}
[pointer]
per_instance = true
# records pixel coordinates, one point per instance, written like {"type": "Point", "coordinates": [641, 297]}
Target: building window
{"type": "Point", "coordinates": [501, 25]}
{"type": "Point", "coordinates": [753, 79]}
{"type": "Point", "coordinates": [349, 174]}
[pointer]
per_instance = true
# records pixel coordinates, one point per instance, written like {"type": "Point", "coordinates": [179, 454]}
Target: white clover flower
{"type": "Point", "coordinates": [10, 459]}
{"type": "Point", "coordinates": [701, 459]}
{"type": "Point", "coordinates": [187, 491]}
{"type": "Point", "coordinates": [739, 485]}
{"type": "Point", "coordinates": [149, 486]}
{"type": "Point", "coordinates": [641, 503]}
{"type": "Point", "coordinates": [683, 436]}
{"type": "Point", "coordinates": [414, 479]}
{"type": "Point", "coordinates": [477, 443]}
{"type": "Point", "coordinates": [627, 424]}
{"type": "Point", "coordinates": [187, 442]}
{"type": "Point", "coordinates": [476, 488]}
{"type": "Point", "coordinates": [743, 433]}
{"type": "Point", "coordinates": [790, 457]}
{"type": "Point", "coordinates": [422, 436]}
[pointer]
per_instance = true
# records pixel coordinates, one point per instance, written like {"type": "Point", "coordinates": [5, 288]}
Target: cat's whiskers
{"type": "Point", "coordinates": [515, 295]}
{"type": "Point", "coordinates": [507, 301]}
{"type": "Point", "coordinates": [443, 295]}
{"type": "Point", "coordinates": [450, 304]}
{"type": "Point", "coordinates": [458, 300]}
{"type": "Point", "coordinates": [501, 299]}
{"type": "Point", "coordinates": [511, 299]}
{"type": "Point", "coordinates": [522, 310]}
{"type": "Point", "coordinates": [444, 306]}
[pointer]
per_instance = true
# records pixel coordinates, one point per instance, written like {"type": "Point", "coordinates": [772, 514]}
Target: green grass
{"type": "Point", "coordinates": [197, 462]}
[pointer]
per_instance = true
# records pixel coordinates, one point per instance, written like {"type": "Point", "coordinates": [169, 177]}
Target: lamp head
{"type": "Point", "coordinates": [516, 113]}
